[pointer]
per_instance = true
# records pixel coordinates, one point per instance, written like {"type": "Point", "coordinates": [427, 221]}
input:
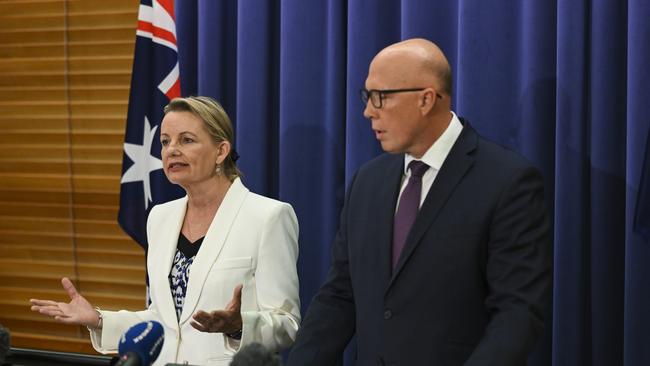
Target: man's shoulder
{"type": "Point", "coordinates": [381, 162]}
{"type": "Point", "coordinates": [494, 153]}
{"type": "Point", "coordinates": [377, 170]}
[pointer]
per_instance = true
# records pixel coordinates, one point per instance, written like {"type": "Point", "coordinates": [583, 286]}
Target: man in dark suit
{"type": "Point", "coordinates": [443, 251]}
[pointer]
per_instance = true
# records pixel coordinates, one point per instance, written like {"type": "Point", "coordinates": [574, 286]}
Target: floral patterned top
{"type": "Point", "coordinates": [179, 276]}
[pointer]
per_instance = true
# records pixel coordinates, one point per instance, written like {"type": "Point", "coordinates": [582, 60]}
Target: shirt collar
{"type": "Point", "coordinates": [438, 151]}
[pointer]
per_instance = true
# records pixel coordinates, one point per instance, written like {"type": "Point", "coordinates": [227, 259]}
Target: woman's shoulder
{"type": "Point", "coordinates": [264, 203]}
{"type": "Point", "coordinates": [258, 201]}
{"type": "Point", "coordinates": [168, 206]}
{"type": "Point", "coordinates": [269, 212]}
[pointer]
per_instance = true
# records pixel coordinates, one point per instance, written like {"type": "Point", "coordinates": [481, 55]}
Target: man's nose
{"type": "Point", "coordinates": [370, 111]}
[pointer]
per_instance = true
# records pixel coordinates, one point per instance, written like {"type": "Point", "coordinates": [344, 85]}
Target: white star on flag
{"type": "Point", "coordinates": [143, 162]}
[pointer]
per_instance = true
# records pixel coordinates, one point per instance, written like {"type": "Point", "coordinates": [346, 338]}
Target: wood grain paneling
{"type": "Point", "coordinates": [65, 69]}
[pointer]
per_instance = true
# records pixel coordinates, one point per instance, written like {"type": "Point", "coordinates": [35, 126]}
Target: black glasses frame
{"type": "Point", "coordinates": [367, 94]}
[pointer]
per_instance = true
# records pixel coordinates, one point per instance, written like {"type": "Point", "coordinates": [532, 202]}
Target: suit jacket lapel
{"type": "Point", "coordinates": [452, 171]}
{"type": "Point", "coordinates": [383, 227]}
{"type": "Point", "coordinates": [213, 242]}
{"type": "Point", "coordinates": [169, 229]}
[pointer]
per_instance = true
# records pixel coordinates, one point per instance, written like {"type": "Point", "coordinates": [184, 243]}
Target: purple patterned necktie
{"type": "Point", "coordinates": [409, 205]}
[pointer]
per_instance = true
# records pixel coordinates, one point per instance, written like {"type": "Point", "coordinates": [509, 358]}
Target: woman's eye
{"type": "Point", "coordinates": [164, 142]}
{"type": "Point", "coordinates": [187, 140]}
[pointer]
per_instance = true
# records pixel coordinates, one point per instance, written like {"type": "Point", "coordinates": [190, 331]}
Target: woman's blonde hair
{"type": "Point", "coordinates": [217, 122]}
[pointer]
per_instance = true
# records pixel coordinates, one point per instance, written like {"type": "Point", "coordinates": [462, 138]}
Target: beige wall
{"type": "Point", "coordinates": [65, 68]}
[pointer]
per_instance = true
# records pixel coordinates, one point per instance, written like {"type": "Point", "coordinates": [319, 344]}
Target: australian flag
{"type": "Point", "coordinates": [155, 81]}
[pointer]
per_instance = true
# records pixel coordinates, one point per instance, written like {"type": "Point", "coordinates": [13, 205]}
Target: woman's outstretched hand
{"type": "Point", "coordinates": [77, 311]}
{"type": "Point", "coordinates": [226, 321]}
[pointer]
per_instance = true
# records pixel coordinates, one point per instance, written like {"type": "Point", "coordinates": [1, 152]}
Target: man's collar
{"type": "Point", "coordinates": [438, 151]}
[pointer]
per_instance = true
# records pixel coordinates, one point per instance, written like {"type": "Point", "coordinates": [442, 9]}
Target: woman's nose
{"type": "Point", "coordinates": [172, 150]}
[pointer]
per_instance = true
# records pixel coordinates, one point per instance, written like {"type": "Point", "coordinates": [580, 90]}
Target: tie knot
{"type": "Point", "coordinates": [418, 168]}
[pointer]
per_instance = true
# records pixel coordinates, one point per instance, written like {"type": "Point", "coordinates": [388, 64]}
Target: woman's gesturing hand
{"type": "Point", "coordinates": [226, 321]}
{"type": "Point", "coordinates": [77, 311]}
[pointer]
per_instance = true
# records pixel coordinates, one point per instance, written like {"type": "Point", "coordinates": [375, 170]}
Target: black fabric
{"type": "Point", "coordinates": [188, 248]}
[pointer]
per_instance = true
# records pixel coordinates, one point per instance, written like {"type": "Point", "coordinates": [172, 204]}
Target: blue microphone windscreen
{"type": "Point", "coordinates": [145, 339]}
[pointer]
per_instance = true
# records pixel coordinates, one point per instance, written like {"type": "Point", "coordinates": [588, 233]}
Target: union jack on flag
{"type": "Point", "coordinates": [154, 82]}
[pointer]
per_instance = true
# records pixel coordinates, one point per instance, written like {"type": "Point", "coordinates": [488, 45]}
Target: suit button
{"type": "Point", "coordinates": [388, 314]}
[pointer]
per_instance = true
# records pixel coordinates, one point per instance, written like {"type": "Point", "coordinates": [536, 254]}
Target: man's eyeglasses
{"type": "Point", "coordinates": [376, 96]}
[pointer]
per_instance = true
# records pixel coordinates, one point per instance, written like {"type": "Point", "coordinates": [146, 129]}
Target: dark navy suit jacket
{"type": "Point", "coordinates": [471, 284]}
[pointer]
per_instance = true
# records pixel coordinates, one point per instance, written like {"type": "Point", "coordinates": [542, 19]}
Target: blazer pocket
{"type": "Point", "coordinates": [236, 262]}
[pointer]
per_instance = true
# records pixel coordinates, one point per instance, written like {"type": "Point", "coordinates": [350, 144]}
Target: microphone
{"type": "Point", "coordinates": [5, 341]}
{"type": "Point", "coordinates": [141, 344]}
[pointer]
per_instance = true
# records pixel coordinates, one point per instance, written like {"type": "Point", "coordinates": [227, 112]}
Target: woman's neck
{"type": "Point", "coordinates": [203, 201]}
{"type": "Point", "coordinates": [208, 194]}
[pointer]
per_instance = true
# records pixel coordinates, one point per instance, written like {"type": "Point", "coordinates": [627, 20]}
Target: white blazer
{"type": "Point", "coordinates": [253, 240]}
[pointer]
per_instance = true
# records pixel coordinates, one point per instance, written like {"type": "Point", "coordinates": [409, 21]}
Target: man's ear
{"type": "Point", "coordinates": [427, 100]}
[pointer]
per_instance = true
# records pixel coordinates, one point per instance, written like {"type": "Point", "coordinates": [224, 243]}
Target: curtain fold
{"type": "Point", "coordinates": [637, 243]}
{"type": "Point", "coordinates": [565, 83]}
{"type": "Point", "coordinates": [312, 139]}
{"type": "Point", "coordinates": [256, 96]}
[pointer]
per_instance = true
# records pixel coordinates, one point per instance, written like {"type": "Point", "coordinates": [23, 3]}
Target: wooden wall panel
{"type": "Point", "coordinates": [65, 69]}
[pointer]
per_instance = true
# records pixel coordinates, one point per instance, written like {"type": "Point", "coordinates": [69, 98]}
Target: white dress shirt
{"type": "Point", "coordinates": [433, 157]}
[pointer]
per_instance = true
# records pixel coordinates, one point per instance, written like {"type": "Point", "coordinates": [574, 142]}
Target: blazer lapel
{"type": "Point", "coordinates": [452, 171]}
{"type": "Point", "coordinates": [214, 241]}
{"type": "Point", "coordinates": [166, 242]}
{"type": "Point", "coordinates": [383, 227]}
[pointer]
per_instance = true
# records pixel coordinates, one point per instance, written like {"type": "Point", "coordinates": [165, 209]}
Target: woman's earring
{"type": "Point", "coordinates": [218, 169]}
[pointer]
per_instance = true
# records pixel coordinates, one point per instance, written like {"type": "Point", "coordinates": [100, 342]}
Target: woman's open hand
{"type": "Point", "coordinates": [226, 321]}
{"type": "Point", "coordinates": [77, 311]}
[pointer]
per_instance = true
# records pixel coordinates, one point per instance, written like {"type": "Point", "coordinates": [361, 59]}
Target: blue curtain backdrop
{"type": "Point", "coordinates": [565, 83]}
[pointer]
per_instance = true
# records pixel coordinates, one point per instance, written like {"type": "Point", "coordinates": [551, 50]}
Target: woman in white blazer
{"type": "Point", "coordinates": [241, 248]}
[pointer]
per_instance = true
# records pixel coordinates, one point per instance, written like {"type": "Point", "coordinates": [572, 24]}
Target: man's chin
{"type": "Point", "coordinates": [390, 149]}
